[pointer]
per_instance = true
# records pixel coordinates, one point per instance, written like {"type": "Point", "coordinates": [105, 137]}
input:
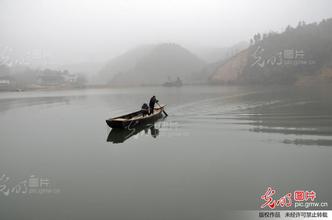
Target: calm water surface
{"type": "Point", "coordinates": [218, 150]}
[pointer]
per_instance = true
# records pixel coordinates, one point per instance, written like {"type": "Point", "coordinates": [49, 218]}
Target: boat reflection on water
{"type": "Point", "coordinates": [120, 135]}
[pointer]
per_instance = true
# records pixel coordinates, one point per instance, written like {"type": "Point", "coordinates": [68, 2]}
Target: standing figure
{"type": "Point", "coordinates": [152, 102]}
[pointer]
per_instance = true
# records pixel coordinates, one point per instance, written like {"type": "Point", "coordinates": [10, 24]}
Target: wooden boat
{"type": "Point", "coordinates": [134, 119]}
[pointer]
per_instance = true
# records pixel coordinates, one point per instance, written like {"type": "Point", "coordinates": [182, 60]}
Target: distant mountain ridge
{"type": "Point", "coordinates": [151, 65]}
{"type": "Point", "coordinates": [298, 55]}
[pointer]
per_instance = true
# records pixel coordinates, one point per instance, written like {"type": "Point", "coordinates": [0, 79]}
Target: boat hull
{"type": "Point", "coordinates": [134, 119]}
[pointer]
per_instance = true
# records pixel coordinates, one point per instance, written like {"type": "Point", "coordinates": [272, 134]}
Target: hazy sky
{"type": "Point", "coordinates": [79, 30]}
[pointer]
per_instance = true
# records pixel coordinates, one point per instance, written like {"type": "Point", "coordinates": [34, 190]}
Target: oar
{"type": "Point", "coordinates": [163, 109]}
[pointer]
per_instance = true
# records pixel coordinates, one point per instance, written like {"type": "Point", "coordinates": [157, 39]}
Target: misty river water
{"type": "Point", "coordinates": [218, 150]}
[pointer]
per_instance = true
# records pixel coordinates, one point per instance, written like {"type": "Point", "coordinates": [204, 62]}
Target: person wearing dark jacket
{"type": "Point", "coordinates": [145, 109]}
{"type": "Point", "coordinates": [152, 102]}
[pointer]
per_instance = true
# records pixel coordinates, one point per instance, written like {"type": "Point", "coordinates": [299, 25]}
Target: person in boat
{"type": "Point", "coordinates": [152, 102]}
{"type": "Point", "coordinates": [145, 109]}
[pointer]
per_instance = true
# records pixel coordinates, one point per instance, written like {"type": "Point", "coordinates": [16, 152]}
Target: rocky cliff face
{"type": "Point", "coordinates": [231, 70]}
